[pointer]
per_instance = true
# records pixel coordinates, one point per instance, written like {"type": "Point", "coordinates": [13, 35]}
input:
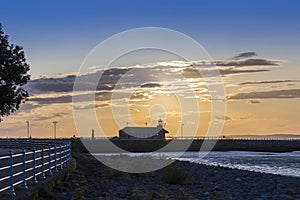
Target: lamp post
{"type": "Point", "coordinates": [54, 124]}
{"type": "Point", "coordinates": [27, 122]}
{"type": "Point", "coordinates": [182, 130]}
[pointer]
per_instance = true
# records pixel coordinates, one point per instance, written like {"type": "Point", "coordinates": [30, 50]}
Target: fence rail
{"type": "Point", "coordinates": [236, 138]}
{"type": "Point", "coordinates": [33, 162]}
{"type": "Point", "coordinates": [203, 138]}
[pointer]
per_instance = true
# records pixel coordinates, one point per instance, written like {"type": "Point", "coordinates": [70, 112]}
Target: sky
{"type": "Point", "coordinates": [254, 44]}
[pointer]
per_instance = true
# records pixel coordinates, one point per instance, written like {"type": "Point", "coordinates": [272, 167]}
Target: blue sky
{"type": "Point", "coordinates": [57, 35]}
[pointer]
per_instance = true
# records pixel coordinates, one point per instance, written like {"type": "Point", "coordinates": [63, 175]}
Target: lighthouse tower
{"type": "Point", "coordinates": [160, 123]}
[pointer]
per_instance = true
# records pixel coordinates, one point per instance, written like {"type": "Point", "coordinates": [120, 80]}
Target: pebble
{"type": "Point", "coordinates": [238, 179]}
{"type": "Point", "coordinates": [203, 182]}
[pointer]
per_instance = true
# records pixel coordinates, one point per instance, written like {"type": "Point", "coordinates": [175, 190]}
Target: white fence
{"type": "Point", "coordinates": [20, 165]}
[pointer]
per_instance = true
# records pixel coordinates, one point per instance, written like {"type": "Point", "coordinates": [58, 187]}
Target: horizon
{"type": "Point", "coordinates": [255, 48]}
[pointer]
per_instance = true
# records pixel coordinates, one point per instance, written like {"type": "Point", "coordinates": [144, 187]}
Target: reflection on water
{"type": "Point", "coordinates": [287, 164]}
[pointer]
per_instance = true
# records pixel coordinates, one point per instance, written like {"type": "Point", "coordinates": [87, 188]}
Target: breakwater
{"type": "Point", "coordinates": [117, 145]}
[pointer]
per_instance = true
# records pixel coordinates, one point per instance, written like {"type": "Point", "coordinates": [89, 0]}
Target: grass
{"type": "Point", "coordinates": [78, 194]}
{"type": "Point", "coordinates": [111, 173]}
{"type": "Point", "coordinates": [173, 174]}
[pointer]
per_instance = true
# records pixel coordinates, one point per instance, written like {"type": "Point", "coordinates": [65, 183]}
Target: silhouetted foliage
{"type": "Point", "coordinates": [13, 76]}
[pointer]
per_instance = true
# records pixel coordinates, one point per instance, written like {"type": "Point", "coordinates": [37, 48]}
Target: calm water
{"type": "Point", "coordinates": [287, 164]}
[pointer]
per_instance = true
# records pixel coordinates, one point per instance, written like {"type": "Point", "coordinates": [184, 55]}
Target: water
{"type": "Point", "coordinates": [287, 164]}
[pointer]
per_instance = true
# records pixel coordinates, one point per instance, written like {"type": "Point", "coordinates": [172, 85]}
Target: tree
{"type": "Point", "coordinates": [13, 76]}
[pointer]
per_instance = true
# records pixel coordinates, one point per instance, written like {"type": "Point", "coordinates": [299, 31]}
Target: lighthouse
{"type": "Point", "coordinates": [160, 123]}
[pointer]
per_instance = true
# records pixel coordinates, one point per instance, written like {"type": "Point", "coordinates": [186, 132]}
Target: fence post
{"type": "Point", "coordinates": [66, 154]}
{"type": "Point", "coordinates": [24, 184]}
{"type": "Point", "coordinates": [55, 159]}
{"type": "Point", "coordinates": [11, 190]}
{"type": "Point", "coordinates": [33, 180]}
{"type": "Point", "coordinates": [49, 172]}
{"type": "Point", "coordinates": [30, 142]}
{"type": "Point", "coordinates": [63, 156]}
{"type": "Point", "coordinates": [42, 176]}
{"type": "Point", "coordinates": [70, 152]}
{"type": "Point", "coordinates": [60, 156]}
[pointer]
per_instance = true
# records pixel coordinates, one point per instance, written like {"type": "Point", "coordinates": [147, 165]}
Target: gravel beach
{"type": "Point", "coordinates": [93, 180]}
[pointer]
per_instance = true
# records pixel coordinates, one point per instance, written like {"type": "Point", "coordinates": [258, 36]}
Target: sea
{"type": "Point", "coordinates": [286, 164]}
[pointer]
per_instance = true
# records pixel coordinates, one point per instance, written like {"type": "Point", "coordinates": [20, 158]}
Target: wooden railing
{"type": "Point", "coordinates": [22, 165]}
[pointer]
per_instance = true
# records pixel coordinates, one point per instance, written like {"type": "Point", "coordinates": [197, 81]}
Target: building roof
{"type": "Point", "coordinates": [142, 132]}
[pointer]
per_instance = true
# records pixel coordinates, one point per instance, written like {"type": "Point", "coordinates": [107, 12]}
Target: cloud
{"type": "Point", "coordinates": [235, 71]}
{"type": "Point", "coordinates": [194, 73]}
{"type": "Point", "coordinates": [245, 55]}
{"type": "Point", "coordinates": [268, 82]}
{"type": "Point", "coordinates": [248, 62]}
{"type": "Point", "coordinates": [26, 107]}
{"type": "Point", "coordinates": [190, 72]}
{"type": "Point", "coordinates": [51, 116]}
{"type": "Point", "coordinates": [274, 94]}
{"type": "Point", "coordinates": [99, 96]}
{"type": "Point", "coordinates": [53, 100]}
{"type": "Point", "coordinates": [65, 84]}
{"type": "Point", "coordinates": [245, 117]}
{"type": "Point", "coordinates": [150, 85]}
{"type": "Point", "coordinates": [58, 84]}
{"type": "Point", "coordinates": [136, 74]}
{"type": "Point", "coordinates": [59, 90]}
{"type": "Point", "coordinates": [90, 106]}
{"type": "Point", "coordinates": [141, 96]}
{"type": "Point", "coordinates": [223, 118]}
{"type": "Point", "coordinates": [251, 101]}
{"type": "Point", "coordinates": [231, 67]}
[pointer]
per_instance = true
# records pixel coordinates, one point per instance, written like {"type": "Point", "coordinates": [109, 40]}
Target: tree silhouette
{"type": "Point", "coordinates": [13, 76]}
